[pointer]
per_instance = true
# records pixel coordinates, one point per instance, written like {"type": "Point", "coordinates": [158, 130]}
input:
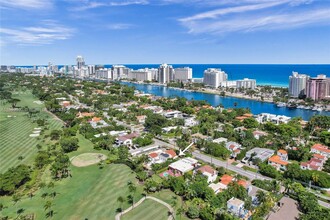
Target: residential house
{"type": "Point", "coordinates": [180, 167]}
{"type": "Point", "coordinates": [257, 134]}
{"type": "Point", "coordinates": [236, 207]}
{"type": "Point", "coordinates": [85, 114]}
{"type": "Point", "coordinates": [190, 122]}
{"type": "Point", "coordinates": [198, 136]}
{"type": "Point", "coordinates": [126, 140]}
{"type": "Point", "coordinates": [160, 156]}
{"type": "Point", "coordinates": [220, 140]}
{"type": "Point", "coordinates": [97, 122]}
{"type": "Point", "coordinates": [141, 119]}
{"type": "Point", "coordinates": [217, 187]}
{"type": "Point", "coordinates": [234, 148]}
{"type": "Point", "coordinates": [315, 163]}
{"type": "Point", "coordinates": [321, 149]}
{"type": "Point", "coordinates": [208, 172]}
{"type": "Point", "coordinates": [227, 179]}
{"type": "Point", "coordinates": [279, 161]}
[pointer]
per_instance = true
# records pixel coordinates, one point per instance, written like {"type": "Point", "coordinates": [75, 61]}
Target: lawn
{"type": "Point", "coordinates": [91, 193]}
{"type": "Point", "coordinates": [15, 128]}
{"type": "Point", "coordinates": [250, 169]}
{"type": "Point", "coordinates": [147, 210]}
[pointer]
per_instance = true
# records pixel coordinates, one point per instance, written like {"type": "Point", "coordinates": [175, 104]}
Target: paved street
{"type": "Point", "coordinates": [219, 163]}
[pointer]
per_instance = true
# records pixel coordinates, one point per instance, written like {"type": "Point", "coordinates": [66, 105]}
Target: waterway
{"type": "Point", "coordinates": [256, 107]}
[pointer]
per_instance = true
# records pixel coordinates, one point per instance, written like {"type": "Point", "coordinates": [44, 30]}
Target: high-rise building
{"type": "Point", "coordinates": [119, 71]}
{"type": "Point", "coordinates": [103, 73]}
{"type": "Point", "coordinates": [297, 84]}
{"type": "Point", "coordinates": [246, 83]}
{"type": "Point", "coordinates": [183, 74]}
{"type": "Point", "coordinates": [165, 73]}
{"type": "Point", "coordinates": [140, 75]}
{"type": "Point", "coordinates": [80, 62]}
{"type": "Point", "coordinates": [213, 77]}
{"type": "Point", "coordinates": [318, 88]}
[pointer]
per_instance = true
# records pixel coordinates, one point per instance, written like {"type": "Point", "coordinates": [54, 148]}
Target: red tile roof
{"type": "Point", "coordinates": [282, 151]}
{"type": "Point", "coordinates": [226, 179]}
{"type": "Point", "coordinates": [320, 147]}
{"type": "Point", "coordinates": [277, 159]}
{"type": "Point", "coordinates": [171, 152]}
{"type": "Point", "coordinates": [153, 155]}
{"type": "Point", "coordinates": [206, 169]}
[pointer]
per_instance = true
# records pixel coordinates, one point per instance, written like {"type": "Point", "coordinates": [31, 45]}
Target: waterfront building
{"type": "Point", "coordinates": [154, 74]}
{"type": "Point", "coordinates": [119, 71]}
{"type": "Point", "coordinates": [226, 84]}
{"type": "Point", "coordinates": [197, 80]}
{"type": "Point", "coordinates": [318, 88]}
{"type": "Point", "coordinates": [165, 73]}
{"type": "Point", "coordinates": [103, 73]}
{"type": "Point", "coordinates": [140, 75]}
{"type": "Point", "coordinates": [183, 74]}
{"type": "Point", "coordinates": [297, 84]}
{"type": "Point", "coordinates": [80, 62]}
{"type": "Point", "coordinates": [91, 70]}
{"type": "Point", "coordinates": [213, 77]}
{"type": "Point", "coordinates": [246, 83]}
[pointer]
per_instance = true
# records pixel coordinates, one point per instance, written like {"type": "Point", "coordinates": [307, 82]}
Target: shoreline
{"type": "Point", "coordinates": [207, 91]}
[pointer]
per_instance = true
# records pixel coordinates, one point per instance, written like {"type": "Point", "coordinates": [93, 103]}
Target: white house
{"type": "Point", "coordinates": [126, 140]}
{"type": "Point", "coordinates": [209, 172]}
{"type": "Point", "coordinates": [236, 207]}
{"type": "Point", "coordinates": [190, 122]}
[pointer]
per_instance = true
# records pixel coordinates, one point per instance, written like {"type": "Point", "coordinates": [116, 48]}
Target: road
{"type": "Point", "coordinates": [219, 163]}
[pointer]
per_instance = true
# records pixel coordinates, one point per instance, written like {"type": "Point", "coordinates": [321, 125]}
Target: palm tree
{"type": "Point", "coordinates": [121, 200]}
{"type": "Point", "coordinates": [262, 196]}
{"type": "Point", "coordinates": [130, 199]}
{"type": "Point", "coordinates": [174, 202]}
{"type": "Point", "coordinates": [315, 177]}
{"type": "Point", "coordinates": [132, 189]}
{"type": "Point", "coordinates": [48, 205]}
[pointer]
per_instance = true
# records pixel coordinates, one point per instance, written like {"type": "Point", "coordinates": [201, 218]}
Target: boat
{"type": "Point", "coordinates": [319, 109]}
{"type": "Point", "coordinates": [281, 104]}
{"type": "Point", "coordinates": [292, 105]}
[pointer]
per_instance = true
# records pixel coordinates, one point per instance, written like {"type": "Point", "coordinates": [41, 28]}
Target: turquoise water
{"type": "Point", "coordinates": [228, 102]}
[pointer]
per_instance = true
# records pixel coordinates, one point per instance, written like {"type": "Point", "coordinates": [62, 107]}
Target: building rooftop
{"type": "Point", "coordinates": [277, 159]}
{"type": "Point", "coordinates": [235, 202]}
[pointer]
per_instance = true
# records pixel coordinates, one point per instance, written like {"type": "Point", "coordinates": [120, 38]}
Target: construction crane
{"type": "Point", "coordinates": [182, 151]}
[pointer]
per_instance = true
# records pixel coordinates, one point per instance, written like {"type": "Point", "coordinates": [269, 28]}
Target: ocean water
{"type": "Point", "coordinates": [265, 74]}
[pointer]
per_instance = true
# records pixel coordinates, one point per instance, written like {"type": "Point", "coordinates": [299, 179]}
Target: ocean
{"type": "Point", "coordinates": [265, 74]}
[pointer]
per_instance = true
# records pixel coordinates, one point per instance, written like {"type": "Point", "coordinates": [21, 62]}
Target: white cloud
{"type": "Point", "coordinates": [38, 35]}
{"type": "Point", "coordinates": [281, 14]}
{"type": "Point", "coordinates": [119, 26]}
{"type": "Point", "coordinates": [87, 4]}
{"type": "Point", "coordinates": [26, 4]}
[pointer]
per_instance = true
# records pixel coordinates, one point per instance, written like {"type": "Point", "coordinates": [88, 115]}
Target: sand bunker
{"type": "Point", "coordinates": [87, 159]}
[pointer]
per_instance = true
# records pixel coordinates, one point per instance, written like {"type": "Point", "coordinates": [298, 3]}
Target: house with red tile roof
{"type": "Point", "coordinates": [141, 119]}
{"type": "Point", "coordinates": [321, 149]}
{"type": "Point", "coordinates": [208, 172]}
{"type": "Point", "coordinates": [257, 134]}
{"type": "Point", "coordinates": [280, 160]}
{"type": "Point", "coordinates": [315, 163]}
{"type": "Point", "coordinates": [227, 179]}
{"type": "Point", "coordinates": [85, 114]}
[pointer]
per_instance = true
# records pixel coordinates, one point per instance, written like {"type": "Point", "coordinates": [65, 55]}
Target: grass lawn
{"type": "Point", "coordinates": [234, 163]}
{"type": "Point", "coordinates": [90, 193]}
{"type": "Point", "coordinates": [15, 131]}
{"type": "Point", "coordinates": [167, 196]}
{"type": "Point", "coordinates": [147, 210]}
{"type": "Point", "coordinates": [250, 169]}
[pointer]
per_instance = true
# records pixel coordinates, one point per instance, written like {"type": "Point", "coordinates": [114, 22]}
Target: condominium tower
{"type": "Point", "coordinates": [165, 73]}
{"type": "Point", "coordinates": [213, 77]}
{"type": "Point", "coordinates": [318, 88]}
{"type": "Point", "coordinates": [297, 84]}
{"type": "Point", "coordinates": [183, 74]}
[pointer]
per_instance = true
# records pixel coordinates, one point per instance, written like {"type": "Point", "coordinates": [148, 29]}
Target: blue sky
{"type": "Point", "coordinates": [171, 31]}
